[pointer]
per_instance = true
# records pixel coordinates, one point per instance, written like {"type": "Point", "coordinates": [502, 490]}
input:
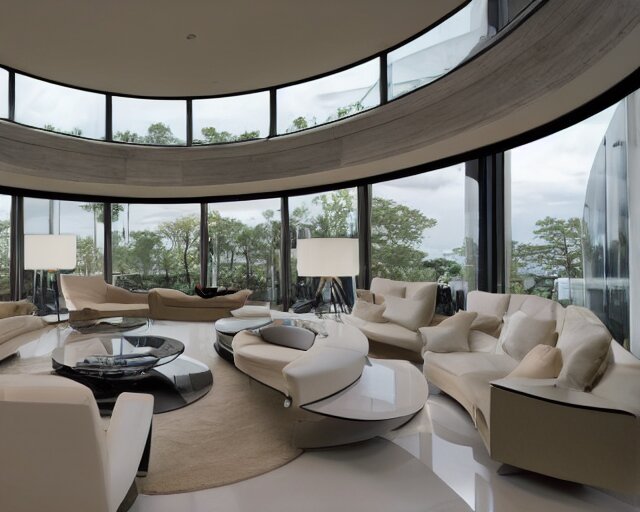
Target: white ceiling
{"type": "Point", "coordinates": [140, 47]}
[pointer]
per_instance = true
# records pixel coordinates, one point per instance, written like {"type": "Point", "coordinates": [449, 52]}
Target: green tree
{"type": "Point", "coordinates": [443, 268]}
{"type": "Point", "coordinates": [353, 108]}
{"type": "Point", "coordinates": [336, 217]}
{"type": "Point", "coordinates": [161, 134]}
{"type": "Point", "coordinates": [396, 237]}
{"type": "Point", "coordinates": [89, 259]}
{"type": "Point", "coordinates": [213, 136]}
{"type": "Point", "coordinates": [129, 136]}
{"type": "Point", "coordinates": [184, 235]}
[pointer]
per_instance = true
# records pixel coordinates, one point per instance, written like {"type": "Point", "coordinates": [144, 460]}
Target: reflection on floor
{"type": "Point", "coordinates": [393, 474]}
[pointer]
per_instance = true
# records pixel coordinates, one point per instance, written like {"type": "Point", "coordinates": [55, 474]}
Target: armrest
{"type": "Point", "coordinates": [117, 294]}
{"type": "Point", "coordinates": [546, 389]}
{"type": "Point", "coordinates": [126, 439]}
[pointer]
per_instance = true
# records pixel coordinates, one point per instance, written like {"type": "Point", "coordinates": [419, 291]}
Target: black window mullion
{"type": "Point", "coordinates": [189, 122]}
{"type": "Point", "coordinates": [108, 118]}
{"type": "Point", "coordinates": [273, 113]}
{"type": "Point", "coordinates": [107, 258]}
{"type": "Point", "coordinates": [384, 80]}
{"type": "Point", "coordinates": [285, 252]}
{"type": "Point", "coordinates": [12, 96]}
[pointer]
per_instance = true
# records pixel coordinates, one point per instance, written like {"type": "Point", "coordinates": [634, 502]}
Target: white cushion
{"type": "Point", "coordinates": [462, 363]}
{"type": "Point", "coordinates": [388, 332]}
{"type": "Point", "coordinates": [450, 335]}
{"type": "Point", "coordinates": [388, 287]}
{"type": "Point", "coordinates": [584, 342]}
{"type": "Point", "coordinates": [522, 332]}
{"type": "Point", "coordinates": [542, 362]}
{"type": "Point", "coordinates": [488, 303]}
{"type": "Point", "coordinates": [481, 341]}
{"type": "Point", "coordinates": [251, 312]}
{"type": "Point", "coordinates": [408, 313]}
{"type": "Point", "coordinates": [369, 311]}
{"type": "Point", "coordinates": [489, 324]}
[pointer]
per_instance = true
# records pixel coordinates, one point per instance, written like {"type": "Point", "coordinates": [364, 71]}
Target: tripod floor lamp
{"type": "Point", "coordinates": [51, 253]}
{"type": "Point", "coordinates": [328, 259]}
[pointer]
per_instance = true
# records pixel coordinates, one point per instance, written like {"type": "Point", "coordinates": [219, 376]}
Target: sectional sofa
{"type": "Point", "coordinates": [579, 423]}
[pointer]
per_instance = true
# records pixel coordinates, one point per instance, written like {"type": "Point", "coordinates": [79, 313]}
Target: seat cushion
{"type": "Point", "coordinates": [389, 333]}
{"type": "Point", "coordinates": [368, 311]}
{"type": "Point", "coordinates": [481, 341]}
{"type": "Point", "coordinates": [462, 363]}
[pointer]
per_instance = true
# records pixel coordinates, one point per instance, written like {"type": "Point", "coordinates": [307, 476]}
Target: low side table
{"type": "Point", "coordinates": [227, 328]}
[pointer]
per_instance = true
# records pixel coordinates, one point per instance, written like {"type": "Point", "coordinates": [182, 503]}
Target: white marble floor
{"type": "Point", "coordinates": [436, 462]}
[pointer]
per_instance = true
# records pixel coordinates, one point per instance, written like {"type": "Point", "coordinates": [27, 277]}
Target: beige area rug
{"type": "Point", "coordinates": [239, 430]}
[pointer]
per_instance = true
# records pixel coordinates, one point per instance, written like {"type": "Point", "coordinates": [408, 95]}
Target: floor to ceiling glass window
{"type": "Point", "coordinates": [52, 216]}
{"type": "Point", "coordinates": [244, 247]}
{"type": "Point", "coordinates": [59, 109]}
{"type": "Point", "coordinates": [418, 230]}
{"type": "Point", "coordinates": [4, 93]}
{"type": "Point", "coordinates": [231, 119]}
{"type": "Point", "coordinates": [155, 246]}
{"type": "Point", "coordinates": [329, 98]}
{"type": "Point", "coordinates": [5, 246]}
{"type": "Point", "coordinates": [142, 121]}
{"type": "Point", "coordinates": [438, 51]}
{"type": "Point", "coordinates": [325, 215]}
{"type": "Point", "coordinates": [548, 185]}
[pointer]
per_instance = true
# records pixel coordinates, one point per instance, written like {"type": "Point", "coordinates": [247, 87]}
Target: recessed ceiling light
{"type": "Point", "coordinates": [191, 36]}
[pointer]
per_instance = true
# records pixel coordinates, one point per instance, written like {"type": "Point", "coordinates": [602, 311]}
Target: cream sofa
{"type": "Point", "coordinates": [167, 304]}
{"type": "Point", "coordinates": [11, 329]}
{"type": "Point", "coordinates": [90, 297]}
{"type": "Point", "coordinates": [389, 332]}
{"type": "Point", "coordinates": [590, 437]}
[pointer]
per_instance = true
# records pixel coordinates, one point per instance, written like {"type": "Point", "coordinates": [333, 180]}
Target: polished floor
{"type": "Point", "coordinates": [436, 462]}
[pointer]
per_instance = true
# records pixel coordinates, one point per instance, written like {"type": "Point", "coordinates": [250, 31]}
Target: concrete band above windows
{"type": "Point", "coordinates": [559, 59]}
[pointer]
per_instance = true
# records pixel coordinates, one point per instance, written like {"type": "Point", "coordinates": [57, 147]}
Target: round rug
{"type": "Point", "coordinates": [239, 430]}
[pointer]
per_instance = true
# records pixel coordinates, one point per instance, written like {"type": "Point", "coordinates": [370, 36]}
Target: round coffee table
{"type": "Point", "coordinates": [227, 328]}
{"type": "Point", "coordinates": [110, 365]}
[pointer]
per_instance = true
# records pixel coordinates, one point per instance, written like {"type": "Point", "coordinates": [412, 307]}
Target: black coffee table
{"type": "Point", "coordinates": [112, 364]}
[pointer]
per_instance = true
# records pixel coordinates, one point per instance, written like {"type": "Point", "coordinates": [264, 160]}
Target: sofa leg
{"type": "Point", "coordinates": [507, 469]}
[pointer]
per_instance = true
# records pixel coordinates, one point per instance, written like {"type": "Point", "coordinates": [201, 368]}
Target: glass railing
{"type": "Point", "coordinates": [241, 117]}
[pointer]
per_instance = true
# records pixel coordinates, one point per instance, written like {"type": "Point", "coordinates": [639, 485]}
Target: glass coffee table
{"type": "Point", "coordinates": [227, 328]}
{"type": "Point", "coordinates": [112, 364]}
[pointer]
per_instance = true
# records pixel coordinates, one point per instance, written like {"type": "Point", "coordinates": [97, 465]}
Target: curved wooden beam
{"type": "Point", "coordinates": [564, 55]}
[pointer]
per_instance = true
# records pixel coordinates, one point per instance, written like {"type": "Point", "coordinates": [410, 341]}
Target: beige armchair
{"type": "Point", "coordinates": [90, 297]}
{"type": "Point", "coordinates": [56, 455]}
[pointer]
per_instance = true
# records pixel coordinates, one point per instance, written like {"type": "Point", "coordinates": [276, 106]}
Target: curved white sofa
{"type": "Point", "coordinates": [332, 363]}
{"type": "Point", "coordinates": [590, 437]}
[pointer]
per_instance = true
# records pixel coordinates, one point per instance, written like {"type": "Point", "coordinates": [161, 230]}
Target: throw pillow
{"type": "Point", "coordinates": [288, 336]}
{"type": "Point", "coordinates": [541, 362]}
{"type": "Point", "coordinates": [251, 311]}
{"type": "Point", "coordinates": [584, 342]}
{"type": "Point", "coordinates": [450, 335]}
{"type": "Point", "coordinates": [368, 311]}
{"type": "Point", "coordinates": [366, 295]}
{"type": "Point", "coordinates": [408, 313]}
{"type": "Point", "coordinates": [489, 324]}
{"type": "Point", "coordinates": [522, 332]}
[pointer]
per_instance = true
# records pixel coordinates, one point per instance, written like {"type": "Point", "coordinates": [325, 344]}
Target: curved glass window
{"type": "Point", "coordinates": [324, 215]}
{"type": "Point", "coordinates": [59, 109]}
{"type": "Point", "coordinates": [231, 119]}
{"type": "Point", "coordinates": [438, 51]}
{"type": "Point", "coordinates": [5, 247]}
{"type": "Point", "coordinates": [155, 246]}
{"type": "Point", "coordinates": [329, 98]}
{"type": "Point", "coordinates": [4, 93]}
{"type": "Point", "coordinates": [141, 121]}
{"type": "Point", "coordinates": [417, 240]}
{"type": "Point", "coordinates": [244, 247]}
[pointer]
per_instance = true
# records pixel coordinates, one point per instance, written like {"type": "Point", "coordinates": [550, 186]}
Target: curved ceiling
{"type": "Point", "coordinates": [141, 47]}
{"type": "Point", "coordinates": [560, 58]}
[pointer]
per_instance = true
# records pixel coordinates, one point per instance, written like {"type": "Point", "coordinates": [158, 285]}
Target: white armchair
{"type": "Point", "coordinates": [56, 455]}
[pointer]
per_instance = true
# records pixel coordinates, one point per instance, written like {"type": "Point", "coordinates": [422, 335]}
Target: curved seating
{"type": "Point", "coordinates": [333, 363]}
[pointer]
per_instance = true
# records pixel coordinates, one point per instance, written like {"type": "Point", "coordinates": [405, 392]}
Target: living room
{"type": "Point", "coordinates": [180, 189]}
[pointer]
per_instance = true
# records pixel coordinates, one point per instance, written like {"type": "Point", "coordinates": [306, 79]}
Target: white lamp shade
{"type": "Point", "coordinates": [49, 252]}
{"type": "Point", "coordinates": [326, 257]}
